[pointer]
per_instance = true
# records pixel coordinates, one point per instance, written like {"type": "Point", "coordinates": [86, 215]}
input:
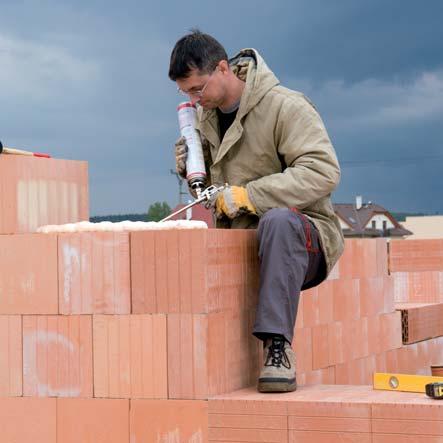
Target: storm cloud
{"type": "Point", "coordinates": [88, 80]}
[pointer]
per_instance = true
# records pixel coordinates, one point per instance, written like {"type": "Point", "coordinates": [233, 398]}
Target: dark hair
{"type": "Point", "coordinates": [195, 51]}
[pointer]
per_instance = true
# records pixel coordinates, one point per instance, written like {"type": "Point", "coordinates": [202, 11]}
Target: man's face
{"type": "Point", "coordinates": [205, 89]}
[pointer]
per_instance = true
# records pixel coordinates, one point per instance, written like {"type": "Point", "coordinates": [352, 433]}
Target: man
{"type": "Point", "coordinates": [270, 145]}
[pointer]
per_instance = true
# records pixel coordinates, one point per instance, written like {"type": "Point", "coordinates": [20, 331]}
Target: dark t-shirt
{"type": "Point", "coordinates": [225, 121]}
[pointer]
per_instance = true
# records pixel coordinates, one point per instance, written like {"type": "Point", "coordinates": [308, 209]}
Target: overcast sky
{"type": "Point", "coordinates": [88, 81]}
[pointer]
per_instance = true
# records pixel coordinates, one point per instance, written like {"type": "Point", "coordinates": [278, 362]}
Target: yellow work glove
{"type": "Point", "coordinates": [232, 202]}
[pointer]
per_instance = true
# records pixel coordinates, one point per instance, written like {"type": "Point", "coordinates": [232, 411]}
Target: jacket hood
{"type": "Point", "coordinates": [250, 67]}
{"type": "Point", "coordinates": [259, 79]}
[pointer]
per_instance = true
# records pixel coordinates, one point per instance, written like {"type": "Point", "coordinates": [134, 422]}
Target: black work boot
{"type": "Point", "coordinates": [278, 372]}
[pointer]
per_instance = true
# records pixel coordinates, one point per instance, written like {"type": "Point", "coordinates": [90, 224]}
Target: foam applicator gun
{"type": "Point", "coordinates": [5, 150]}
{"type": "Point", "coordinates": [195, 163]}
{"type": "Point", "coordinates": [208, 196]}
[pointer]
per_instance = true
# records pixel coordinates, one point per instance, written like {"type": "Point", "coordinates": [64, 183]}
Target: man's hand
{"type": "Point", "coordinates": [181, 154]}
{"type": "Point", "coordinates": [232, 202]}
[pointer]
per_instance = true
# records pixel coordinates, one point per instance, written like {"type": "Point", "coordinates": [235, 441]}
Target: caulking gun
{"type": "Point", "coordinates": [205, 196]}
{"type": "Point", "coordinates": [195, 164]}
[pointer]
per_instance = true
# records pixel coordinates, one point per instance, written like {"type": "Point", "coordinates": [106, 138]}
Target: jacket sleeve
{"type": "Point", "coordinates": [312, 170]}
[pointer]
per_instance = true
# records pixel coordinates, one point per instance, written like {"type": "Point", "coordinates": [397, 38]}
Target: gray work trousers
{"type": "Point", "coordinates": [290, 260]}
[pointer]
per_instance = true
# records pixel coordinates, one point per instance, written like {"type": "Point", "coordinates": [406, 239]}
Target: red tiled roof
{"type": "Point", "coordinates": [357, 219]}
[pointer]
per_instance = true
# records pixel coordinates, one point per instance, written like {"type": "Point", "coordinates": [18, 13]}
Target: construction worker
{"type": "Point", "coordinates": [270, 145]}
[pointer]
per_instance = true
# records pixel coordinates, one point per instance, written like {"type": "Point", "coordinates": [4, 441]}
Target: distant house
{"type": "Point", "coordinates": [368, 220]}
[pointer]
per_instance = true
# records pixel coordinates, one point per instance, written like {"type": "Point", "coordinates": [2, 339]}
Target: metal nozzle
{"type": "Point", "coordinates": [198, 187]}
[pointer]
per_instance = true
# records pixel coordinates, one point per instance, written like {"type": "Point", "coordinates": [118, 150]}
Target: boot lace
{"type": "Point", "coordinates": [277, 355]}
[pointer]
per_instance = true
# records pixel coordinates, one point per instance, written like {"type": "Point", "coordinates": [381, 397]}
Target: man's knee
{"type": "Point", "coordinates": [281, 218]}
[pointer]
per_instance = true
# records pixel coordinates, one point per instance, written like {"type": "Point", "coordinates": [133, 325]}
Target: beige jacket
{"type": "Point", "coordinates": [278, 148]}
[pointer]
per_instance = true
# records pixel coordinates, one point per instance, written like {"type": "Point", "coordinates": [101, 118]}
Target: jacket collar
{"type": "Point", "coordinates": [260, 79]}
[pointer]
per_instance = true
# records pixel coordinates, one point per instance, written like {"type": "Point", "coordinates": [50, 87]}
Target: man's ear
{"type": "Point", "coordinates": [223, 66]}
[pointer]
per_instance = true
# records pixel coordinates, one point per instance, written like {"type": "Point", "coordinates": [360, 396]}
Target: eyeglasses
{"type": "Point", "coordinates": [198, 92]}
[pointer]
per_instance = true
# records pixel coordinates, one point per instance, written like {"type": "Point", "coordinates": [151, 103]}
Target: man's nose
{"type": "Point", "coordinates": [194, 100]}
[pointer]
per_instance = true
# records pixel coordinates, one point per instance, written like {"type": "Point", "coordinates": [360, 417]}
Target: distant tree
{"type": "Point", "coordinates": [115, 218]}
{"type": "Point", "coordinates": [158, 211]}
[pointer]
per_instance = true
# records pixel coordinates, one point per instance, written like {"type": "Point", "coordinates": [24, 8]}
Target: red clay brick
{"type": "Point", "coordinates": [408, 427]}
{"type": "Point", "coordinates": [380, 363]}
{"type": "Point", "coordinates": [328, 437]}
{"type": "Point", "coordinates": [38, 192]}
{"type": "Point", "coordinates": [332, 406]}
{"type": "Point", "coordinates": [418, 287]}
{"type": "Point", "coordinates": [405, 359]}
{"type": "Point", "coordinates": [326, 413]}
{"type": "Point", "coordinates": [248, 435]}
{"type": "Point", "coordinates": [198, 291]}
{"type": "Point", "coordinates": [408, 409]}
{"type": "Point", "coordinates": [400, 438]}
{"type": "Point", "coordinates": [359, 338]}
{"type": "Point", "coordinates": [311, 308]}
{"type": "Point", "coordinates": [320, 347]}
{"type": "Point", "coordinates": [187, 356]}
{"type": "Point", "coordinates": [362, 258]}
{"type": "Point", "coordinates": [168, 271]}
{"type": "Point", "coordinates": [249, 402]}
{"type": "Point", "coordinates": [421, 321]}
{"type": "Point", "coordinates": [28, 284]}
{"type": "Point", "coordinates": [165, 258]}
{"type": "Point", "coordinates": [356, 372]}
{"type": "Point", "coordinates": [389, 293]}
{"type": "Point", "coordinates": [326, 302]}
{"type": "Point", "coordinates": [192, 290]}
{"type": "Point", "coordinates": [299, 322]}
{"type": "Point", "coordinates": [248, 417]}
{"type": "Point", "coordinates": [317, 377]}
{"type": "Point", "coordinates": [143, 282]}
{"type": "Point", "coordinates": [244, 421]}
{"type": "Point", "coordinates": [372, 296]}
{"type": "Point", "coordinates": [11, 363]}
{"type": "Point", "coordinates": [130, 356]}
{"type": "Point", "coordinates": [57, 356]}
{"type": "Point", "coordinates": [346, 299]}
{"type": "Point", "coordinates": [416, 255]}
{"type": "Point", "coordinates": [232, 271]}
{"type": "Point", "coordinates": [337, 349]}
{"type": "Point", "coordinates": [330, 424]}
{"type": "Point", "coordinates": [390, 331]}
{"type": "Point", "coordinates": [243, 352]}
{"type": "Point", "coordinates": [28, 420]}
{"type": "Point", "coordinates": [392, 361]}
{"type": "Point", "coordinates": [92, 420]}
{"type": "Point", "coordinates": [94, 273]}
{"type": "Point", "coordinates": [194, 271]}
{"type": "Point", "coordinates": [382, 256]}
{"type": "Point", "coordinates": [373, 338]}
{"type": "Point", "coordinates": [169, 421]}
{"type": "Point", "coordinates": [210, 353]}
{"type": "Point", "coordinates": [329, 411]}
{"type": "Point", "coordinates": [302, 345]}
